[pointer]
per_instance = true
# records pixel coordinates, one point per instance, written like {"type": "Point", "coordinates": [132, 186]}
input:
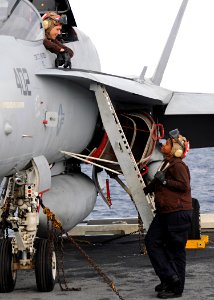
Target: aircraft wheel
{"type": "Point", "coordinates": [45, 266]}
{"type": "Point", "coordinates": [7, 274]}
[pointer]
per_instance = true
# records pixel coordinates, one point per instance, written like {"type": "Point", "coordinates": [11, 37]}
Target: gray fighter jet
{"type": "Point", "coordinates": [54, 118]}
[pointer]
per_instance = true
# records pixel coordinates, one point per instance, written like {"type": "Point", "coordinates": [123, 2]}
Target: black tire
{"type": "Point", "coordinates": [45, 266]}
{"type": "Point", "coordinates": [7, 275]}
{"type": "Point", "coordinates": [195, 229]}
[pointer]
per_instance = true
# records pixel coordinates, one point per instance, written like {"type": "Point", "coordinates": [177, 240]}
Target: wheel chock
{"type": "Point", "coordinates": [198, 244]}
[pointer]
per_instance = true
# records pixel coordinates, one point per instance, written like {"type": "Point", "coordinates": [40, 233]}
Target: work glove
{"type": "Point", "coordinates": [63, 59]}
{"type": "Point", "coordinates": [60, 60]}
{"type": "Point", "coordinates": [146, 191]}
{"type": "Point", "coordinates": [160, 175]}
{"type": "Point", "coordinates": [67, 59]}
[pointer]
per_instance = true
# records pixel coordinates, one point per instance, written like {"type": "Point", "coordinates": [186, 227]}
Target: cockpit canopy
{"type": "Point", "coordinates": [51, 5]}
{"type": "Point", "coordinates": [61, 7]}
{"type": "Point", "coordinates": [21, 20]}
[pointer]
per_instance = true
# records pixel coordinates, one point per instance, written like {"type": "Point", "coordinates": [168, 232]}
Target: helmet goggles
{"type": "Point", "coordinates": [59, 19]}
{"type": "Point", "coordinates": [174, 134]}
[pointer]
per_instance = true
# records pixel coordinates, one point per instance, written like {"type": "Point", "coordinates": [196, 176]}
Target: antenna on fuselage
{"type": "Point", "coordinates": [158, 74]}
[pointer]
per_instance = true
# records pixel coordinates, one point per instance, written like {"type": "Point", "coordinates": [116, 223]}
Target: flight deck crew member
{"type": "Point", "coordinates": [52, 23]}
{"type": "Point", "coordinates": [168, 233]}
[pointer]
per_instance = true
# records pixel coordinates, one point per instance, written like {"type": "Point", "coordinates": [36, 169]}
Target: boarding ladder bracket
{"type": "Point", "coordinates": [123, 153]}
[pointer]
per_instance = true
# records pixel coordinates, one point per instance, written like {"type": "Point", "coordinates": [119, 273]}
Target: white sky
{"type": "Point", "coordinates": [129, 35]}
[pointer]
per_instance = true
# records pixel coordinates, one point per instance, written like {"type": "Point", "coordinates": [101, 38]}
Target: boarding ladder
{"type": "Point", "coordinates": [124, 154]}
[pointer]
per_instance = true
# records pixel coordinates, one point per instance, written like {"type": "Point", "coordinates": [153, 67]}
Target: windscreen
{"type": "Point", "coordinates": [5, 8]}
{"type": "Point", "coordinates": [21, 20]}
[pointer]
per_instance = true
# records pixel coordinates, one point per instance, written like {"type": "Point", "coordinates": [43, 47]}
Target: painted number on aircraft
{"type": "Point", "coordinates": [22, 81]}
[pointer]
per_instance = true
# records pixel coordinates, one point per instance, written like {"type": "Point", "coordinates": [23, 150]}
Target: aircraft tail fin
{"type": "Point", "coordinates": [158, 74]}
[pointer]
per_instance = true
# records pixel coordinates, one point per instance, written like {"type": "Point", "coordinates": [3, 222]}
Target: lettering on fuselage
{"type": "Point", "coordinates": [22, 81]}
{"type": "Point", "coordinates": [40, 56]}
{"type": "Point", "coordinates": [61, 118]}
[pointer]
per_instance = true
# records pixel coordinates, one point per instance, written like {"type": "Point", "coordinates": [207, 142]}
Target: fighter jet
{"type": "Point", "coordinates": [53, 119]}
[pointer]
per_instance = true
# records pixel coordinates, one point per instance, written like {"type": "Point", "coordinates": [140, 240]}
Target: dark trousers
{"type": "Point", "coordinates": [165, 243]}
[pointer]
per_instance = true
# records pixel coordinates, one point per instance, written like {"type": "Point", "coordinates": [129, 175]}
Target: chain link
{"type": "Point", "coordinates": [56, 226]}
{"type": "Point", "coordinates": [95, 266]}
{"type": "Point", "coordinates": [54, 239]}
{"type": "Point", "coordinates": [60, 264]}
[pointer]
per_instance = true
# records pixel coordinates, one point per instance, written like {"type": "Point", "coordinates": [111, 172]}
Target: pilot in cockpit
{"type": "Point", "coordinates": [52, 23]}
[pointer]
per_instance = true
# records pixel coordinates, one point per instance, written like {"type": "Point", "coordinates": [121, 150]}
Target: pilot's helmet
{"type": "Point", "coordinates": [180, 145]}
{"type": "Point", "coordinates": [52, 19]}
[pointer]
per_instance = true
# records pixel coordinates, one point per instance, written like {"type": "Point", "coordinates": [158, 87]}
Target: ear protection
{"type": "Point", "coordinates": [46, 24]}
{"type": "Point", "coordinates": [46, 20]}
{"type": "Point", "coordinates": [51, 19]}
{"type": "Point", "coordinates": [179, 151]}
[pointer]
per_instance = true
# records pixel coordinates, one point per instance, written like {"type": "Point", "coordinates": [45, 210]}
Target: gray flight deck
{"type": "Point", "coordinates": [120, 260]}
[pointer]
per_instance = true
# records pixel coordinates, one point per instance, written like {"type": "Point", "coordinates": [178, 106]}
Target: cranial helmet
{"type": "Point", "coordinates": [52, 19]}
{"type": "Point", "coordinates": [180, 145]}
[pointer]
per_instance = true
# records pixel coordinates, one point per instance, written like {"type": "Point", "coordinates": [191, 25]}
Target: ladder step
{"type": "Point", "coordinates": [124, 154]}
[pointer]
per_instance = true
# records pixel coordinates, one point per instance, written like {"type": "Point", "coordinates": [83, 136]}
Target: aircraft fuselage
{"type": "Point", "coordinates": [39, 116]}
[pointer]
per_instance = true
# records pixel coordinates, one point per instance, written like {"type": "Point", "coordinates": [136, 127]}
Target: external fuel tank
{"type": "Point", "coordinates": [71, 198]}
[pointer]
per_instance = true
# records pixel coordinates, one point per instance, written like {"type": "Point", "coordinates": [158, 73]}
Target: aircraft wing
{"type": "Point", "coordinates": [190, 104]}
{"type": "Point", "coordinates": [121, 89]}
{"type": "Point", "coordinates": [193, 114]}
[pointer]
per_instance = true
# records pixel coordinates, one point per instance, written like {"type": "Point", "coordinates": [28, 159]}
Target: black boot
{"type": "Point", "coordinates": [161, 286]}
{"type": "Point", "coordinates": [171, 289]}
{"type": "Point", "coordinates": [168, 294]}
{"type": "Point", "coordinates": [168, 284]}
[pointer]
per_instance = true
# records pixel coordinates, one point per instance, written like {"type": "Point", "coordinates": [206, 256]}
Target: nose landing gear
{"type": "Point", "coordinates": [19, 211]}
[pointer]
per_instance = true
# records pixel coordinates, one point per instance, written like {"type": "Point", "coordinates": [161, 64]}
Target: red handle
{"type": "Point", "coordinates": [146, 169]}
{"type": "Point", "coordinates": [161, 130]}
{"type": "Point", "coordinates": [108, 195]}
